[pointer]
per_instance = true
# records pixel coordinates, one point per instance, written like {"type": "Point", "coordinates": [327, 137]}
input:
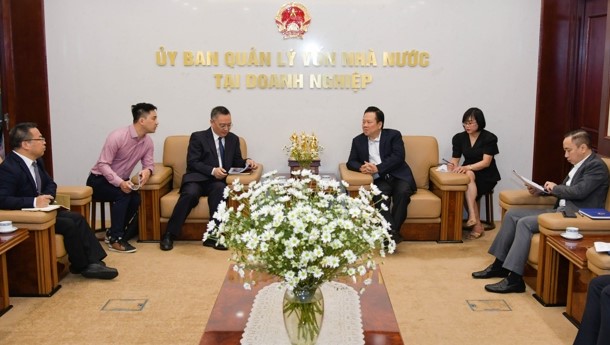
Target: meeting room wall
{"type": "Point", "coordinates": [104, 56]}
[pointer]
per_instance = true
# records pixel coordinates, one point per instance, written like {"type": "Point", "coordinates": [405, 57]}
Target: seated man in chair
{"type": "Point", "coordinates": [24, 183]}
{"type": "Point", "coordinates": [586, 186]}
{"type": "Point", "coordinates": [380, 152]}
{"type": "Point", "coordinates": [211, 153]}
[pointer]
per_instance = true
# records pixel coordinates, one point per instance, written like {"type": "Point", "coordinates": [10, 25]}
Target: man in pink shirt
{"type": "Point", "coordinates": [110, 176]}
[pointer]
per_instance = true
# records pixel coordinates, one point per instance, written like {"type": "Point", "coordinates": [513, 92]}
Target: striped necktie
{"type": "Point", "coordinates": [37, 177]}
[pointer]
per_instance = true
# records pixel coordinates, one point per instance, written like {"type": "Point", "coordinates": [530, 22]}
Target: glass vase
{"type": "Point", "coordinates": [303, 310]}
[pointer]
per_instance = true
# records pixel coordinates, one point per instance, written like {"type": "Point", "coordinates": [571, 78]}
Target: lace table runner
{"type": "Point", "coordinates": [342, 322]}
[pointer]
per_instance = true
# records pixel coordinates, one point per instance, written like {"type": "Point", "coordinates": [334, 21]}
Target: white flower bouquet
{"type": "Point", "coordinates": [304, 229]}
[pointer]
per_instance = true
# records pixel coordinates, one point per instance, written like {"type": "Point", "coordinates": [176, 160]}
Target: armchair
{"type": "Point", "coordinates": [160, 194]}
{"type": "Point", "coordinates": [40, 277]}
{"type": "Point", "coordinates": [549, 223]}
{"type": "Point", "coordinates": [435, 211]}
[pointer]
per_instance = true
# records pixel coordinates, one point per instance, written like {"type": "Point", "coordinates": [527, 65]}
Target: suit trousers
{"type": "Point", "coordinates": [123, 206]}
{"type": "Point", "coordinates": [190, 192]}
{"type": "Point", "coordinates": [512, 243]}
{"type": "Point", "coordinates": [595, 326]}
{"type": "Point", "coordinates": [399, 196]}
{"type": "Point", "coordinates": [81, 244]}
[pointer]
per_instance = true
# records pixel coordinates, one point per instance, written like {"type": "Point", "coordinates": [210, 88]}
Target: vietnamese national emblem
{"type": "Point", "coordinates": [292, 20]}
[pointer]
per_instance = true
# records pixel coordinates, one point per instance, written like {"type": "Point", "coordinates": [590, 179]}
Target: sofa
{"type": "Point", "coordinates": [161, 192]}
{"type": "Point", "coordinates": [435, 211]}
{"type": "Point", "coordinates": [549, 223]}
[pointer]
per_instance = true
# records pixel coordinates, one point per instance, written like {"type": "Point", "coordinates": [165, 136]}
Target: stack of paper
{"type": "Point", "coordinates": [602, 247]}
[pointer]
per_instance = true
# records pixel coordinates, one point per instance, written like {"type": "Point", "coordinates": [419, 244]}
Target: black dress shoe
{"type": "Point", "coordinates": [212, 243]}
{"type": "Point", "coordinates": [99, 271]}
{"type": "Point", "coordinates": [167, 242]}
{"type": "Point", "coordinates": [491, 272]}
{"type": "Point", "coordinates": [504, 286]}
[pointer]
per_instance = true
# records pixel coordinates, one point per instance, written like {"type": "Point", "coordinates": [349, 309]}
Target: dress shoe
{"type": "Point", "coordinates": [491, 272]}
{"type": "Point", "coordinates": [214, 244]}
{"type": "Point", "coordinates": [504, 286]}
{"type": "Point", "coordinates": [167, 242]}
{"type": "Point", "coordinates": [99, 271]}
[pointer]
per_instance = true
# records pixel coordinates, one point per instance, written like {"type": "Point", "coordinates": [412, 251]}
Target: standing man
{"type": "Point", "coordinates": [586, 186]}
{"type": "Point", "coordinates": [24, 183]}
{"type": "Point", "coordinates": [211, 153]}
{"type": "Point", "coordinates": [380, 153]}
{"type": "Point", "coordinates": [110, 176]}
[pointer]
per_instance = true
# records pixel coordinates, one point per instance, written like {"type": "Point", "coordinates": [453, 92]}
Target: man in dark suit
{"type": "Point", "coordinates": [211, 153]}
{"type": "Point", "coordinates": [380, 153]}
{"type": "Point", "coordinates": [24, 183]}
{"type": "Point", "coordinates": [586, 186]}
{"type": "Point", "coordinates": [595, 326]}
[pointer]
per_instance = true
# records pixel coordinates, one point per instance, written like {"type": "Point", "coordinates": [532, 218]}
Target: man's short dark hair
{"type": "Point", "coordinates": [20, 133]}
{"type": "Point", "coordinates": [379, 116]}
{"type": "Point", "coordinates": [141, 110]}
{"type": "Point", "coordinates": [219, 110]}
{"type": "Point", "coordinates": [477, 115]}
{"type": "Point", "coordinates": [579, 137]}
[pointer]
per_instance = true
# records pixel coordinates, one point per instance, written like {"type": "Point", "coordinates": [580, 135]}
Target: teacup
{"type": "Point", "coordinates": [572, 231]}
{"type": "Point", "coordinates": [6, 225]}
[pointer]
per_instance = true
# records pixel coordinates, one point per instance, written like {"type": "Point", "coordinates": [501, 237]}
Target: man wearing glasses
{"type": "Point", "coordinates": [110, 176]}
{"type": "Point", "coordinates": [211, 153]}
{"type": "Point", "coordinates": [24, 183]}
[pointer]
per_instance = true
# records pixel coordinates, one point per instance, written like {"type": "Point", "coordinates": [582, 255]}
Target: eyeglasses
{"type": "Point", "coordinates": [469, 123]}
{"type": "Point", "coordinates": [224, 125]}
{"type": "Point", "coordinates": [36, 139]}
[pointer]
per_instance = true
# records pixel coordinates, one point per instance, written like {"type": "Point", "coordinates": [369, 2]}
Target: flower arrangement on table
{"type": "Point", "coordinates": [304, 149]}
{"type": "Point", "coordinates": [305, 230]}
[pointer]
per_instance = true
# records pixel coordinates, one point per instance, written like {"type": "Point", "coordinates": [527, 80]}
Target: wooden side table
{"type": "Point", "coordinates": [565, 277]}
{"type": "Point", "coordinates": [7, 242]}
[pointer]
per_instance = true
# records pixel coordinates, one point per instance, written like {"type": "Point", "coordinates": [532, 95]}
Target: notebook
{"type": "Point", "coordinates": [595, 213]}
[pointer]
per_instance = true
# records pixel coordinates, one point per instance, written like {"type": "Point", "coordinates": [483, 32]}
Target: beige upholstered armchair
{"type": "Point", "coordinates": [435, 211]}
{"type": "Point", "coordinates": [160, 194]}
{"type": "Point", "coordinates": [40, 276]}
{"type": "Point", "coordinates": [549, 223]}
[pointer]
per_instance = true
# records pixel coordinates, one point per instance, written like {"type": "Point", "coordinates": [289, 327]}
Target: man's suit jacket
{"type": "Point", "coordinates": [202, 156]}
{"type": "Point", "coordinates": [392, 152]}
{"type": "Point", "coordinates": [589, 186]}
{"type": "Point", "coordinates": [17, 186]}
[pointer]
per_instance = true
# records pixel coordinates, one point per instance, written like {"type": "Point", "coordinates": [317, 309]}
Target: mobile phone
{"type": "Point", "coordinates": [568, 214]}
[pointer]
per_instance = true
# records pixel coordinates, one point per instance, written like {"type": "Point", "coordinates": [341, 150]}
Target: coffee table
{"type": "Point", "coordinates": [7, 242]}
{"type": "Point", "coordinates": [565, 276]}
{"type": "Point", "coordinates": [230, 314]}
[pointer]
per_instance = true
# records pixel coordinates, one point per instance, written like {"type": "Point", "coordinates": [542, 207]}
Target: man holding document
{"type": "Point", "coordinates": [585, 186]}
{"type": "Point", "coordinates": [24, 183]}
{"type": "Point", "coordinates": [210, 155]}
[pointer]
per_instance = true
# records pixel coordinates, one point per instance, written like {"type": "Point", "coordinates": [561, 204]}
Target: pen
{"type": "Point", "coordinates": [446, 161]}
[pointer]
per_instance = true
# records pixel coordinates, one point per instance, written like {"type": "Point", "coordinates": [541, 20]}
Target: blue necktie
{"type": "Point", "coordinates": [222, 151]}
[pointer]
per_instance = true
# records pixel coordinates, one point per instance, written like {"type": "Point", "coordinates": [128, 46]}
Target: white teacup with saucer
{"type": "Point", "coordinates": [571, 233]}
{"type": "Point", "coordinates": [7, 226]}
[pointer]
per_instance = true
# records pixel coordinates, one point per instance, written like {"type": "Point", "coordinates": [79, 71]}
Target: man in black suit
{"type": "Point", "coordinates": [211, 153]}
{"type": "Point", "coordinates": [380, 153]}
{"type": "Point", "coordinates": [24, 183]}
{"type": "Point", "coordinates": [595, 326]}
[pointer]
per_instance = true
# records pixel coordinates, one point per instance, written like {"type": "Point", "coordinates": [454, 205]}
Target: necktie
{"type": "Point", "coordinates": [37, 177]}
{"type": "Point", "coordinates": [221, 148]}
